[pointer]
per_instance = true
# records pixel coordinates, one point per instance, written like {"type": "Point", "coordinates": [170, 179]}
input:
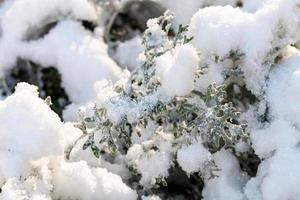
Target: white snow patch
{"type": "Point", "coordinates": [229, 184]}
{"type": "Point", "coordinates": [192, 158]}
{"type": "Point", "coordinates": [29, 130]}
{"type": "Point", "coordinates": [128, 52]}
{"type": "Point", "coordinates": [177, 70]}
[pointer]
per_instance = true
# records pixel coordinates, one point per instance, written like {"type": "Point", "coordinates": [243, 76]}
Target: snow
{"type": "Point", "coordinates": [68, 44]}
{"type": "Point", "coordinates": [286, 91]}
{"type": "Point", "coordinates": [14, 190]}
{"type": "Point", "coordinates": [25, 136]}
{"type": "Point", "coordinates": [118, 106]}
{"type": "Point", "coordinates": [93, 183]}
{"type": "Point", "coordinates": [127, 53]}
{"type": "Point", "coordinates": [16, 22]}
{"type": "Point", "coordinates": [25, 153]}
{"type": "Point", "coordinates": [277, 142]}
{"type": "Point", "coordinates": [34, 140]}
{"type": "Point", "coordinates": [177, 70]}
{"type": "Point", "coordinates": [80, 56]}
{"type": "Point", "coordinates": [160, 163]}
{"type": "Point", "coordinates": [278, 177]}
{"type": "Point", "coordinates": [212, 76]}
{"type": "Point", "coordinates": [193, 157]}
{"type": "Point", "coordinates": [161, 159]}
{"type": "Point", "coordinates": [219, 30]}
{"type": "Point", "coordinates": [280, 134]}
{"type": "Point", "coordinates": [229, 184]}
{"type": "Point", "coordinates": [183, 12]}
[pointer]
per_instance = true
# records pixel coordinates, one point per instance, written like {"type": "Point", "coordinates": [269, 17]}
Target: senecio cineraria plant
{"type": "Point", "coordinates": [136, 110]}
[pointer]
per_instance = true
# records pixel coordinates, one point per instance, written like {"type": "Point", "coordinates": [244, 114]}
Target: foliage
{"type": "Point", "coordinates": [198, 116]}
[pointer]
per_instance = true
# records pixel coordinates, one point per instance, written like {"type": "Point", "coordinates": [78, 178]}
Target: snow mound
{"type": "Point", "coordinates": [277, 178]}
{"type": "Point", "coordinates": [80, 56]}
{"type": "Point", "coordinates": [28, 127]}
{"type": "Point", "coordinates": [33, 140]}
{"type": "Point", "coordinates": [177, 70]}
{"type": "Point", "coordinates": [229, 184]}
{"type": "Point", "coordinates": [94, 183]}
{"type": "Point", "coordinates": [193, 157]}
{"type": "Point", "coordinates": [283, 90]}
{"type": "Point", "coordinates": [220, 31]}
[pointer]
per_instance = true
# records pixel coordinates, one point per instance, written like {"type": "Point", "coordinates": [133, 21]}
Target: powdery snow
{"type": "Point", "coordinates": [33, 140]}
{"type": "Point", "coordinates": [16, 22]}
{"type": "Point", "coordinates": [283, 90]}
{"type": "Point", "coordinates": [220, 30]}
{"type": "Point", "coordinates": [161, 159]}
{"type": "Point", "coordinates": [27, 128]}
{"type": "Point", "coordinates": [128, 52]}
{"type": "Point", "coordinates": [79, 55]}
{"type": "Point", "coordinates": [94, 183]}
{"type": "Point", "coordinates": [229, 184]}
{"type": "Point", "coordinates": [279, 134]}
{"type": "Point", "coordinates": [177, 70]}
{"type": "Point", "coordinates": [278, 177]}
{"type": "Point", "coordinates": [193, 157]}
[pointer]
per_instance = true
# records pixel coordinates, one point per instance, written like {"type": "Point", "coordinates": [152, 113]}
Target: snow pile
{"type": "Point", "coordinates": [229, 184]}
{"type": "Point", "coordinates": [193, 157]}
{"type": "Point", "coordinates": [177, 71]}
{"type": "Point", "coordinates": [85, 53]}
{"type": "Point", "coordinates": [16, 23]}
{"type": "Point", "coordinates": [128, 52]}
{"type": "Point", "coordinates": [278, 143]}
{"type": "Point", "coordinates": [219, 31]}
{"type": "Point", "coordinates": [27, 128]}
{"type": "Point", "coordinates": [32, 140]}
{"type": "Point", "coordinates": [277, 178]}
{"type": "Point", "coordinates": [152, 164]}
{"type": "Point", "coordinates": [284, 88]}
{"type": "Point", "coordinates": [42, 158]}
{"type": "Point", "coordinates": [79, 55]}
{"type": "Point", "coordinates": [94, 183]}
{"type": "Point", "coordinates": [283, 135]}
{"type": "Point", "coordinates": [185, 11]}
